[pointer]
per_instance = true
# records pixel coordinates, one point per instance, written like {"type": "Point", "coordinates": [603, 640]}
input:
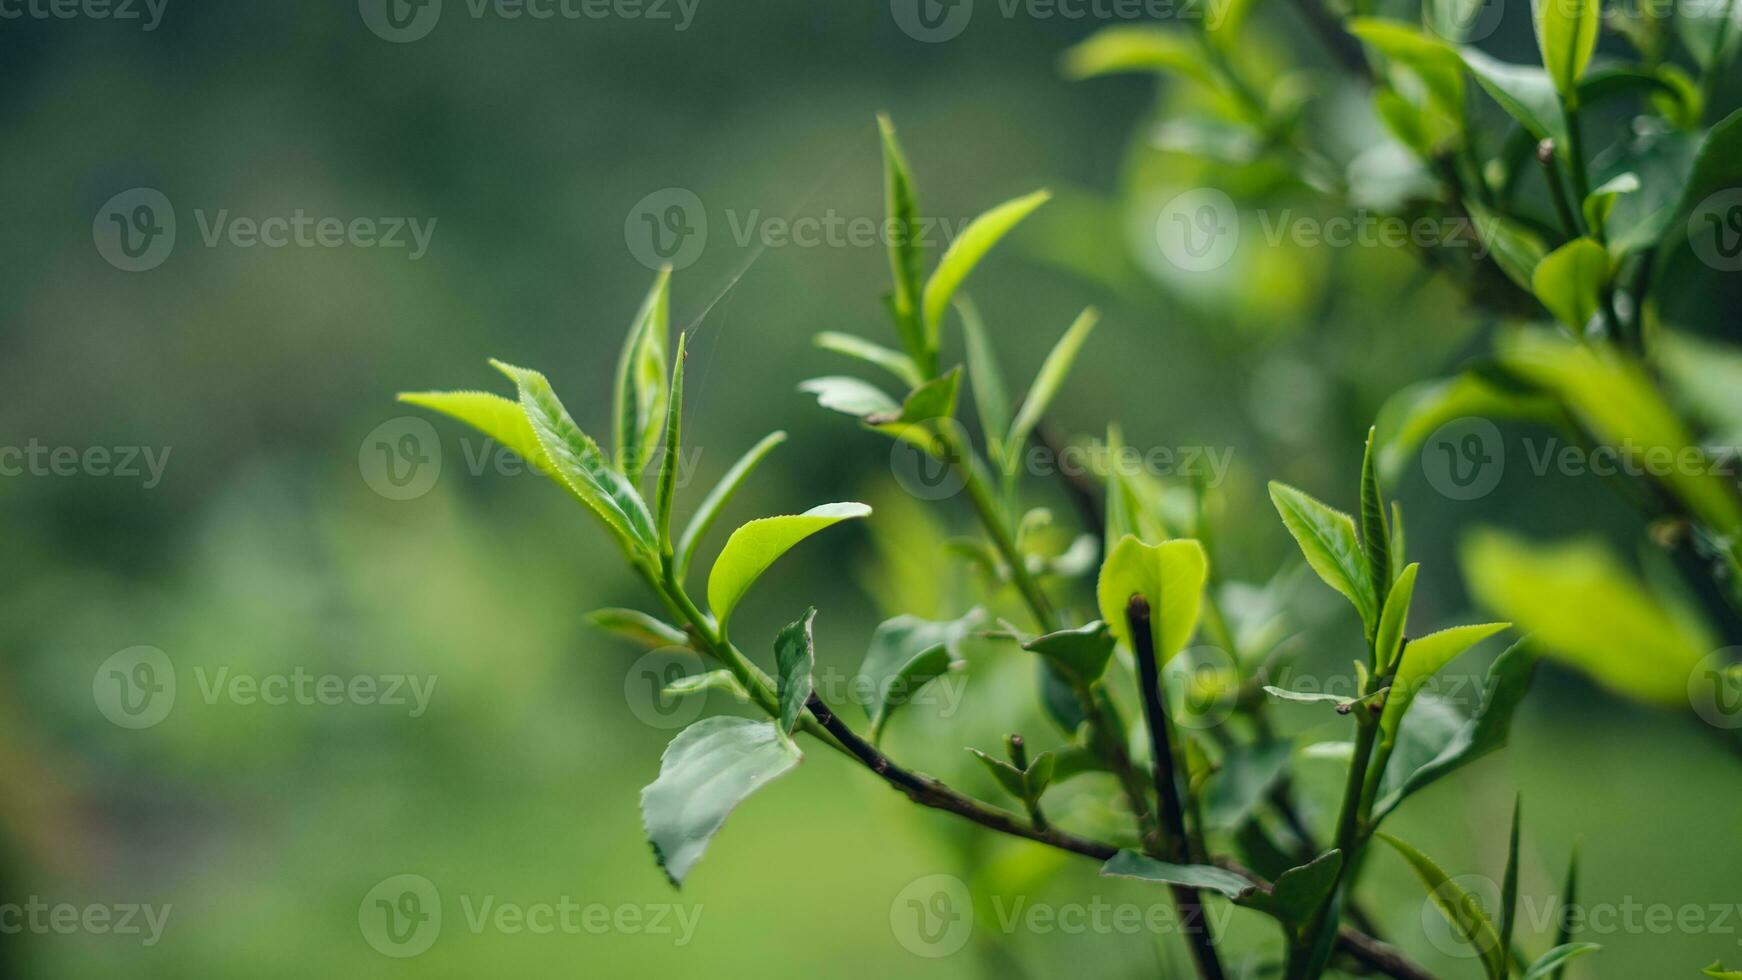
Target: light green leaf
{"type": "Point", "coordinates": [934, 400]}
{"type": "Point", "coordinates": [1081, 653]}
{"type": "Point", "coordinates": [497, 417]}
{"type": "Point", "coordinates": [638, 627]}
{"type": "Point", "coordinates": [1422, 659]}
{"type": "Point", "coordinates": [1552, 962]}
{"type": "Point", "coordinates": [1515, 248]}
{"type": "Point", "coordinates": [906, 252]}
{"type": "Point", "coordinates": [1461, 909]}
{"type": "Point", "coordinates": [966, 252]}
{"type": "Point", "coordinates": [713, 680]}
{"type": "Point", "coordinates": [1047, 381]}
{"type": "Point", "coordinates": [640, 393]}
{"type": "Point", "coordinates": [1160, 50]}
{"type": "Point", "coordinates": [719, 496]}
{"type": "Point", "coordinates": [894, 362]}
{"type": "Point", "coordinates": [1170, 575]}
{"type": "Point", "coordinates": [1525, 92]}
{"type": "Point", "coordinates": [576, 459]}
{"type": "Point", "coordinates": [1566, 33]}
{"type": "Point", "coordinates": [906, 653]}
{"type": "Point", "coordinates": [1389, 637]}
{"type": "Point", "coordinates": [1601, 202]}
{"type": "Point", "coordinates": [1717, 970]}
{"type": "Point", "coordinates": [1432, 60]}
{"type": "Point", "coordinates": [1308, 697]}
{"type": "Point", "coordinates": [1327, 538]}
{"type": "Point", "coordinates": [1130, 864]}
{"type": "Point", "coordinates": [1299, 892]}
{"type": "Point", "coordinates": [707, 770]}
{"type": "Point", "coordinates": [756, 545]}
{"type": "Point", "coordinates": [665, 488]}
{"type": "Point", "coordinates": [1487, 731]}
{"type": "Point", "coordinates": [991, 397]}
{"type": "Point", "coordinates": [1587, 611]}
{"type": "Point", "coordinates": [1570, 279]}
{"type": "Point", "coordinates": [1620, 404]}
{"type": "Point", "coordinates": [794, 657]}
{"type": "Point", "coordinates": [850, 396]}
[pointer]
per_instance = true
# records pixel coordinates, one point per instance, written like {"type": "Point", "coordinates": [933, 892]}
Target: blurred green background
{"type": "Point", "coordinates": [269, 547]}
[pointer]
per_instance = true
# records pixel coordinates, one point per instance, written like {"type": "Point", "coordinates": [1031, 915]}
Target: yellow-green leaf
{"type": "Point", "coordinates": [1170, 575]}
{"type": "Point", "coordinates": [1570, 279]}
{"type": "Point", "coordinates": [1566, 33]}
{"type": "Point", "coordinates": [756, 545]}
{"type": "Point", "coordinates": [966, 252]}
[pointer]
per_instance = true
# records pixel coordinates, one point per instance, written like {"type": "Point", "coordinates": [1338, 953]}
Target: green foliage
{"type": "Point", "coordinates": [707, 770]}
{"type": "Point", "coordinates": [795, 657]}
{"type": "Point", "coordinates": [1460, 908]}
{"type": "Point", "coordinates": [758, 544]}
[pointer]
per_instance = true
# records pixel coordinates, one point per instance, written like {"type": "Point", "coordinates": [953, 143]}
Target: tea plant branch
{"type": "Point", "coordinates": [1165, 764]}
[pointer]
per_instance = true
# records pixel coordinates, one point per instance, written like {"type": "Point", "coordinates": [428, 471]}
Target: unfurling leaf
{"type": "Point", "coordinates": [756, 545]}
{"type": "Point", "coordinates": [1389, 638]}
{"type": "Point", "coordinates": [707, 770]}
{"type": "Point", "coordinates": [640, 391]}
{"type": "Point", "coordinates": [966, 252]}
{"type": "Point", "coordinates": [1046, 383]}
{"type": "Point", "coordinates": [1170, 575]}
{"type": "Point", "coordinates": [666, 485]}
{"type": "Point", "coordinates": [1327, 538]}
{"type": "Point", "coordinates": [906, 253]}
{"type": "Point", "coordinates": [794, 658]}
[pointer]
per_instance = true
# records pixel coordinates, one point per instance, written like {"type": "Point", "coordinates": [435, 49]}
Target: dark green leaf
{"type": "Point", "coordinates": [794, 658]}
{"type": "Point", "coordinates": [1082, 652]}
{"type": "Point", "coordinates": [907, 653]}
{"type": "Point", "coordinates": [1299, 892]}
{"type": "Point", "coordinates": [1460, 908]}
{"type": "Point", "coordinates": [1509, 881]}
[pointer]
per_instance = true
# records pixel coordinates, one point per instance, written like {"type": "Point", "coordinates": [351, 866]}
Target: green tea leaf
{"type": "Point", "coordinates": [1416, 412]}
{"type": "Point", "coordinates": [1525, 92]}
{"type": "Point", "coordinates": [1584, 609]}
{"type": "Point", "coordinates": [1308, 697]}
{"type": "Point", "coordinates": [576, 460]}
{"type": "Point", "coordinates": [1130, 864]}
{"type": "Point", "coordinates": [1566, 33]}
{"type": "Point", "coordinates": [894, 362]}
{"type": "Point", "coordinates": [1422, 659]}
{"type": "Point", "coordinates": [707, 770]}
{"type": "Point", "coordinates": [906, 253]}
{"type": "Point", "coordinates": [1046, 383]}
{"type": "Point", "coordinates": [719, 496]}
{"type": "Point", "coordinates": [966, 252]}
{"type": "Point", "coordinates": [1515, 249]}
{"type": "Point", "coordinates": [665, 489]}
{"type": "Point", "coordinates": [1081, 653]}
{"type": "Point", "coordinates": [1486, 731]}
{"type": "Point", "coordinates": [850, 396]}
{"type": "Point", "coordinates": [1551, 963]}
{"type": "Point", "coordinates": [1161, 50]}
{"type": "Point", "coordinates": [1008, 776]}
{"type": "Point", "coordinates": [1569, 902]}
{"type": "Point", "coordinates": [640, 389]}
{"type": "Point", "coordinates": [1717, 971]}
{"type": "Point", "coordinates": [714, 680]}
{"type": "Point", "coordinates": [493, 415]}
{"type": "Point", "coordinates": [1170, 575]}
{"type": "Point", "coordinates": [794, 658]}
{"type": "Point", "coordinates": [638, 627]}
{"type": "Point", "coordinates": [906, 653]}
{"type": "Point", "coordinates": [1388, 639]}
{"type": "Point", "coordinates": [1432, 60]}
{"type": "Point", "coordinates": [1570, 279]}
{"type": "Point", "coordinates": [1710, 30]}
{"type": "Point", "coordinates": [1461, 909]}
{"type": "Point", "coordinates": [1299, 892]}
{"type": "Point", "coordinates": [1601, 202]}
{"type": "Point", "coordinates": [1509, 880]}
{"type": "Point", "coordinates": [991, 397]}
{"type": "Point", "coordinates": [756, 545]}
{"type": "Point", "coordinates": [1327, 538]}
{"type": "Point", "coordinates": [1375, 537]}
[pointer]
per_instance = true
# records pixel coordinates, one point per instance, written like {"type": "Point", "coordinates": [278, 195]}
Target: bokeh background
{"type": "Point", "coordinates": [272, 545]}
